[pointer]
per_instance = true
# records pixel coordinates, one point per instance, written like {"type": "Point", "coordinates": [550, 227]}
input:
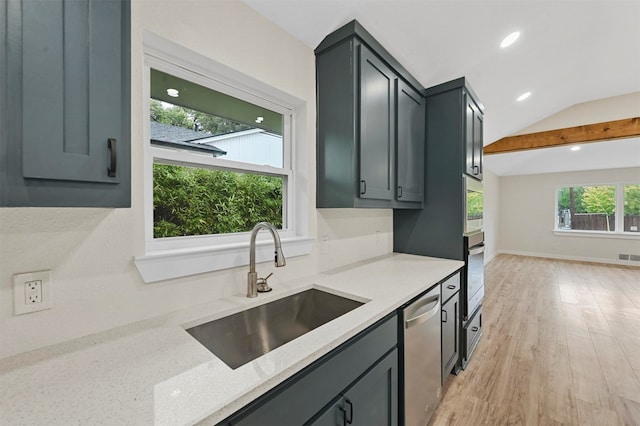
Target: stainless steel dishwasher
{"type": "Point", "coordinates": [422, 358]}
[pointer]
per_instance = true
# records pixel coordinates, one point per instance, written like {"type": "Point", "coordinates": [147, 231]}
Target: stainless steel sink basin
{"type": "Point", "coordinates": [243, 337]}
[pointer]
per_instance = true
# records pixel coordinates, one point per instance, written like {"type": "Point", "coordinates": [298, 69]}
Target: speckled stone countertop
{"type": "Point", "coordinates": [154, 372]}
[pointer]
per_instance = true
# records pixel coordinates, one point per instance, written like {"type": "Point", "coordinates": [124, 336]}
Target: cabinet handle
{"type": "Point", "coordinates": [399, 192]}
{"type": "Point", "coordinates": [451, 286]}
{"type": "Point", "coordinates": [474, 329]}
{"type": "Point", "coordinates": [363, 187]}
{"type": "Point", "coordinates": [111, 171]}
{"type": "Point", "coordinates": [445, 316]}
{"type": "Point", "coordinates": [345, 420]}
{"type": "Point", "coordinates": [344, 415]}
{"type": "Point", "coordinates": [476, 170]}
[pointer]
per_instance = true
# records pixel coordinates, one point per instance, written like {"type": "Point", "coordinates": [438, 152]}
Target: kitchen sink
{"type": "Point", "coordinates": [243, 337]}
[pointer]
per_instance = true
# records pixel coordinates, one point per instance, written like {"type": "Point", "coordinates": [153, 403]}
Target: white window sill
{"type": "Point", "coordinates": [598, 234]}
{"type": "Point", "coordinates": [168, 264]}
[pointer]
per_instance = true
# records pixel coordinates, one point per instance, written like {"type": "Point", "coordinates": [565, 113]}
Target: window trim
{"type": "Point", "coordinates": [175, 257]}
{"type": "Point", "coordinates": [619, 214]}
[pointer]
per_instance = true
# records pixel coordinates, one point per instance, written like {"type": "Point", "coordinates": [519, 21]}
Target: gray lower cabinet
{"type": "Point", "coordinates": [450, 336]}
{"type": "Point", "coordinates": [450, 325]}
{"type": "Point", "coordinates": [372, 400]}
{"type": "Point", "coordinates": [66, 103]}
{"type": "Point", "coordinates": [356, 383]}
{"type": "Point", "coordinates": [370, 125]}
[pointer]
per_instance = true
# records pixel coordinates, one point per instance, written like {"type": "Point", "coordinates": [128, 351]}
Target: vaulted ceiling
{"type": "Point", "coordinates": [569, 52]}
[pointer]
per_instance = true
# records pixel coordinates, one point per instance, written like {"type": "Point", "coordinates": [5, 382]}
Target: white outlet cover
{"type": "Point", "coordinates": [19, 303]}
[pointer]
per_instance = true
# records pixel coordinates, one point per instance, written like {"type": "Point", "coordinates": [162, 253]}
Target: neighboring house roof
{"type": "Point", "coordinates": [168, 135]}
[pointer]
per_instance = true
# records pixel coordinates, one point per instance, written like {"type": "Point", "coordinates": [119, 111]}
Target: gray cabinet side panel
{"type": "Point", "coordinates": [3, 98]}
{"type": "Point", "coordinates": [336, 169]}
{"type": "Point", "coordinates": [437, 229]}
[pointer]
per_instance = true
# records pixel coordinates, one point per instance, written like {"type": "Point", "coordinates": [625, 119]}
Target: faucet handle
{"type": "Point", "coordinates": [263, 286]}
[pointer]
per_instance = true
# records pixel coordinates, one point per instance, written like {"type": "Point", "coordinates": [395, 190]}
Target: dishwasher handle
{"type": "Point", "coordinates": [419, 315]}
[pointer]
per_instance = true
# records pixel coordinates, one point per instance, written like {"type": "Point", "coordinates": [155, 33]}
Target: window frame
{"type": "Point", "coordinates": [619, 214]}
{"type": "Point", "coordinates": [173, 257]}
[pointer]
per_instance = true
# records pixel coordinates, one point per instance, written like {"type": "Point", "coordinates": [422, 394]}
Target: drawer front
{"type": "Point", "coordinates": [450, 287]}
{"type": "Point", "coordinates": [473, 331]}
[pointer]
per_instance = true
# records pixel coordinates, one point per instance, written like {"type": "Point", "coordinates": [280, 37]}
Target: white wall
{"type": "Point", "coordinates": [491, 213]}
{"type": "Point", "coordinates": [598, 111]}
{"type": "Point", "coordinates": [527, 217]}
{"type": "Point", "coordinates": [90, 251]}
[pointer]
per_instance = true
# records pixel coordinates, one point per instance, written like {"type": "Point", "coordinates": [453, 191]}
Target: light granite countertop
{"type": "Point", "coordinates": [154, 372]}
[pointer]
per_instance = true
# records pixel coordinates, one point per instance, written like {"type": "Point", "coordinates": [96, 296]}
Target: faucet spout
{"type": "Point", "coordinates": [279, 260]}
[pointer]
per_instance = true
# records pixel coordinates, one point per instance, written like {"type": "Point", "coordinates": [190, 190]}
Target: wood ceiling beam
{"type": "Point", "coordinates": [608, 130]}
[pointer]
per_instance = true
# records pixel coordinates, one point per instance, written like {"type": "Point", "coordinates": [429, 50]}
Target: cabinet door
{"type": "Point", "coordinates": [372, 400]}
{"type": "Point", "coordinates": [477, 142]}
{"type": "Point", "coordinates": [71, 89]}
{"type": "Point", "coordinates": [473, 138]}
{"type": "Point", "coordinates": [450, 340]}
{"type": "Point", "coordinates": [377, 102]}
{"type": "Point", "coordinates": [68, 70]}
{"type": "Point", "coordinates": [410, 144]}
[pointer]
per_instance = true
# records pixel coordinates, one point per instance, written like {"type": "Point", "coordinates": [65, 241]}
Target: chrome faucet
{"type": "Point", "coordinates": [255, 284]}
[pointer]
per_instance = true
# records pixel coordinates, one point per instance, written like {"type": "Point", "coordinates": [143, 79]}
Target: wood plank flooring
{"type": "Point", "coordinates": [561, 346]}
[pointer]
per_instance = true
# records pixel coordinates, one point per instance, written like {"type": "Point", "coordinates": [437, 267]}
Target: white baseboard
{"type": "Point", "coordinates": [564, 257]}
{"type": "Point", "coordinates": [489, 258]}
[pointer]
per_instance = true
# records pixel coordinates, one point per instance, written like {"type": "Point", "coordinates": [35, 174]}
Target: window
{"type": "Point", "coordinates": [244, 185]}
{"type": "Point", "coordinates": [223, 152]}
{"type": "Point", "coordinates": [598, 208]}
{"type": "Point", "coordinates": [632, 208]}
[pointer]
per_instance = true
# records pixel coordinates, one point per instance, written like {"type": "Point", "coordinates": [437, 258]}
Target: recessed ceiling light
{"type": "Point", "coordinates": [174, 93]}
{"type": "Point", "coordinates": [523, 96]}
{"type": "Point", "coordinates": [259, 119]}
{"type": "Point", "coordinates": [510, 39]}
{"type": "Point", "coordinates": [575, 148]}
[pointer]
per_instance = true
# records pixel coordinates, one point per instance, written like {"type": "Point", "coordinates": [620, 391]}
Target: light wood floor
{"type": "Point", "coordinates": [561, 346]}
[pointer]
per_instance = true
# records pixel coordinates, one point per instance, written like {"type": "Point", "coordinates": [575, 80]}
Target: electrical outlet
{"type": "Point", "coordinates": [32, 292]}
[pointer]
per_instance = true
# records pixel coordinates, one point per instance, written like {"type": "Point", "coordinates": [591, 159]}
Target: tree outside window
{"type": "Point", "coordinates": [593, 208]}
{"type": "Point", "coordinates": [631, 208]}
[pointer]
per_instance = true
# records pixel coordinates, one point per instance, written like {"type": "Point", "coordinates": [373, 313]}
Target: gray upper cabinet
{"type": "Point", "coordinates": [370, 124]}
{"type": "Point", "coordinates": [473, 136]}
{"type": "Point", "coordinates": [68, 110]}
{"type": "Point", "coordinates": [410, 144]}
{"type": "Point", "coordinates": [453, 122]}
{"type": "Point", "coordinates": [377, 98]}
